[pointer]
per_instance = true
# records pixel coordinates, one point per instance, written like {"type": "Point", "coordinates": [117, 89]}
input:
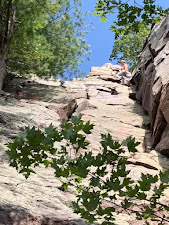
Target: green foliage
{"type": "Point", "coordinates": [132, 25]}
{"type": "Point", "coordinates": [130, 14]}
{"type": "Point", "coordinates": [128, 47]}
{"type": "Point", "coordinates": [107, 178]}
{"type": "Point", "coordinates": [32, 146]}
{"type": "Point", "coordinates": [48, 39]}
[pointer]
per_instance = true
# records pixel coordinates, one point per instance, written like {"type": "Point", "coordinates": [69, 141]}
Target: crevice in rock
{"type": "Point", "coordinates": [167, 35]}
{"type": "Point", "coordinates": [155, 106]}
{"type": "Point", "coordinates": [115, 104]}
{"type": "Point", "coordinates": [153, 52]}
{"type": "Point", "coordinates": [83, 106]}
{"type": "Point", "coordinates": [137, 163]}
{"type": "Point", "coordinates": [132, 95]}
{"type": "Point", "coordinates": [157, 133]}
{"type": "Point", "coordinates": [148, 63]}
{"type": "Point", "coordinates": [148, 141]}
{"type": "Point", "coordinates": [73, 111]}
{"type": "Point", "coordinates": [112, 91]}
{"type": "Point", "coordinates": [87, 95]}
{"type": "Point", "coordinates": [65, 111]}
{"type": "Point", "coordinates": [160, 61]}
{"type": "Point", "coordinates": [159, 50]}
{"type": "Point", "coordinates": [147, 126]}
{"type": "Point", "coordinates": [104, 90]}
{"type": "Point", "coordinates": [143, 126]}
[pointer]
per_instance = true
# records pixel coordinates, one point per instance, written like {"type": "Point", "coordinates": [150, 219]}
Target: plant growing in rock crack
{"type": "Point", "coordinates": [108, 188]}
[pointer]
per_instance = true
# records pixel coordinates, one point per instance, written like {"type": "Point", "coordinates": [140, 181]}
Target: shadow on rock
{"type": "Point", "coordinates": [15, 215]}
{"type": "Point", "coordinates": [38, 91]}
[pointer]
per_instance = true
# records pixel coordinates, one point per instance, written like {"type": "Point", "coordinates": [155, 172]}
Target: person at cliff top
{"type": "Point", "coordinates": [124, 70]}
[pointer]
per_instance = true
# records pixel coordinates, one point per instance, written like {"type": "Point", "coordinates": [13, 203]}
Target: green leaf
{"type": "Point", "coordinates": [164, 177]}
{"type": "Point", "coordinates": [95, 181]}
{"type": "Point", "coordinates": [126, 204]}
{"type": "Point", "coordinates": [141, 196]}
{"type": "Point", "coordinates": [103, 19]}
{"type": "Point", "coordinates": [88, 127]}
{"type": "Point", "coordinates": [76, 120]}
{"type": "Point", "coordinates": [46, 163]}
{"type": "Point", "coordinates": [131, 144]}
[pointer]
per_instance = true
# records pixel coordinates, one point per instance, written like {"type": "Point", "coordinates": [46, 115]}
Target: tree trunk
{"type": "Point", "coordinates": [7, 22]}
{"type": "Point", "coordinates": [2, 71]}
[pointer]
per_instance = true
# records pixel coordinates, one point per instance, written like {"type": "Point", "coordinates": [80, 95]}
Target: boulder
{"type": "Point", "coordinates": [107, 70]}
{"type": "Point", "coordinates": [64, 110]}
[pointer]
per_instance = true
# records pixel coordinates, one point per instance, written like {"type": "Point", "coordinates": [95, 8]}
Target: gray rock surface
{"type": "Point", "coordinates": [151, 84]}
{"type": "Point", "coordinates": [38, 200]}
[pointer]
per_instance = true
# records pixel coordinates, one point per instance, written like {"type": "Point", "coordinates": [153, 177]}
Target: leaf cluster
{"type": "Point", "coordinates": [130, 14]}
{"type": "Point", "coordinates": [34, 147]}
{"type": "Point", "coordinates": [108, 188]}
{"type": "Point", "coordinates": [134, 19]}
{"type": "Point", "coordinates": [128, 47]}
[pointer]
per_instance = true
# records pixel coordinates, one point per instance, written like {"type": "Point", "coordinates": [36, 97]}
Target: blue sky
{"type": "Point", "coordinates": [101, 38]}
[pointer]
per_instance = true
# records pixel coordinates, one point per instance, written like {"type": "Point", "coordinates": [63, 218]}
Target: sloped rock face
{"type": "Point", "coordinates": [38, 200]}
{"type": "Point", "coordinates": [151, 81]}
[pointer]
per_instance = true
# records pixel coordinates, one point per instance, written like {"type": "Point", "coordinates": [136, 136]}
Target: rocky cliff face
{"type": "Point", "coordinates": [101, 99]}
{"type": "Point", "coordinates": [151, 84]}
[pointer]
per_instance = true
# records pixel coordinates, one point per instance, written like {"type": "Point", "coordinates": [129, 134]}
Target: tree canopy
{"type": "Point", "coordinates": [132, 25]}
{"type": "Point", "coordinates": [47, 37]}
{"type": "Point", "coordinates": [129, 46]}
{"type": "Point", "coordinates": [130, 13]}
